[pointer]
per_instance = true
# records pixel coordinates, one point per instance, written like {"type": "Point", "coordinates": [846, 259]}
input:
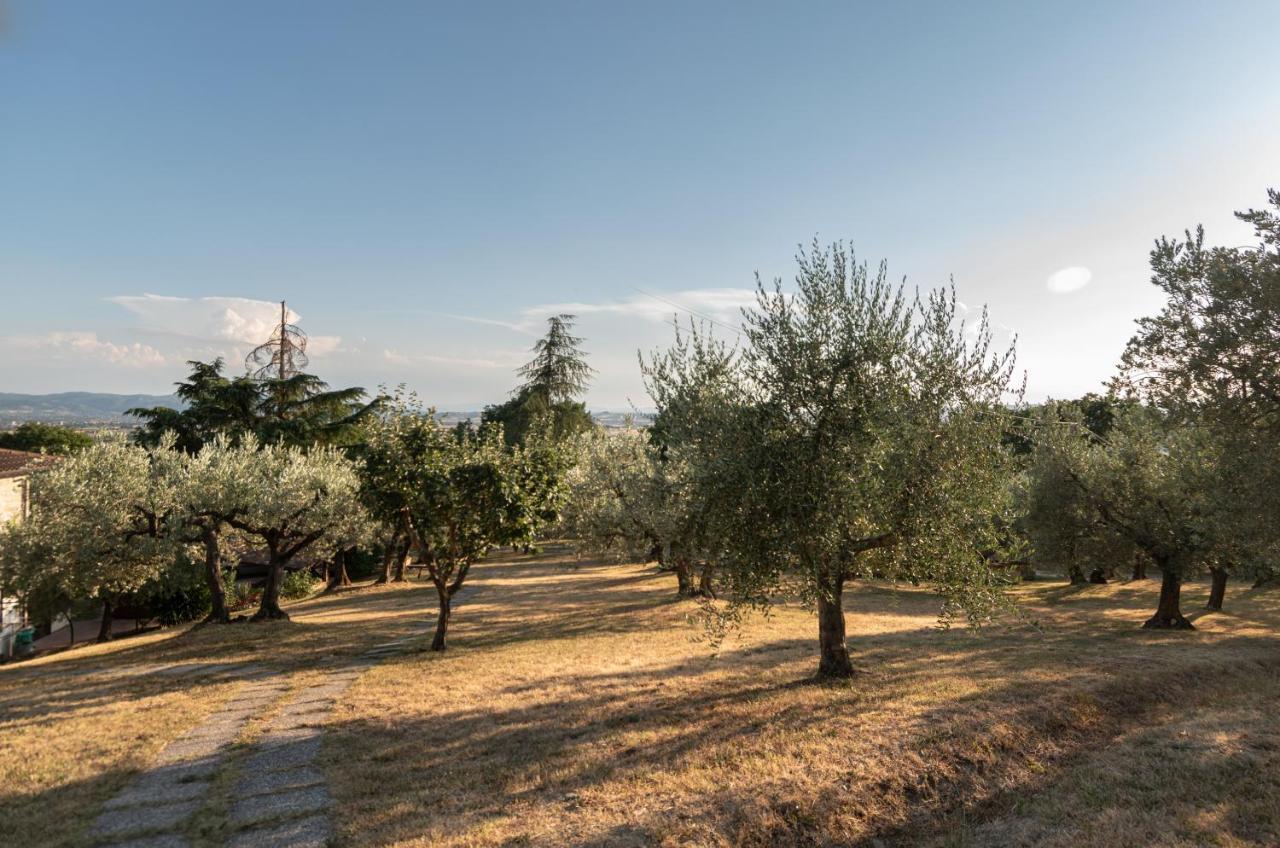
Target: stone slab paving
{"type": "Point", "coordinates": [151, 811]}
{"type": "Point", "coordinates": [279, 797]}
{"type": "Point", "coordinates": [168, 840]}
{"type": "Point", "coordinates": [309, 832]}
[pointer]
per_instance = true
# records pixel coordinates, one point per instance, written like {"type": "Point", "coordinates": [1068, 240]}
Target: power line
{"type": "Point", "coordinates": [735, 330]}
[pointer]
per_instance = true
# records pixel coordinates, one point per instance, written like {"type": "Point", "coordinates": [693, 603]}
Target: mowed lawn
{"type": "Point", "coordinates": [576, 706]}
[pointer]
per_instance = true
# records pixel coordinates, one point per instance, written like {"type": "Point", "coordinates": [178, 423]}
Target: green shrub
{"type": "Point", "coordinates": [297, 584]}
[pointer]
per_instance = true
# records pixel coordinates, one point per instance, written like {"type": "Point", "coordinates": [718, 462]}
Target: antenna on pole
{"type": "Point", "coordinates": [282, 356]}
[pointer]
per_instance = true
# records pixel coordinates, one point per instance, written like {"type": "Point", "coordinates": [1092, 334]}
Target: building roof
{"type": "Point", "coordinates": [15, 463]}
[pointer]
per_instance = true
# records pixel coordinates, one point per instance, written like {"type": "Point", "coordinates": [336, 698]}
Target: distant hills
{"type": "Point", "coordinates": [75, 407]}
{"type": "Point", "coordinates": [104, 408]}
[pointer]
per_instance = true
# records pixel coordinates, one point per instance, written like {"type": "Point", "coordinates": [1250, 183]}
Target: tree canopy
{"type": "Point", "coordinates": [298, 410]}
{"type": "Point", "coordinates": [548, 399]}
{"type": "Point", "coordinates": [37, 437]}
{"type": "Point", "coordinates": [858, 433]}
{"type": "Point", "coordinates": [456, 493]}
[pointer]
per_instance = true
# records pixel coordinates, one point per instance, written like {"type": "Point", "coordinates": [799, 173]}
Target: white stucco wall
{"type": "Point", "coordinates": [12, 497]}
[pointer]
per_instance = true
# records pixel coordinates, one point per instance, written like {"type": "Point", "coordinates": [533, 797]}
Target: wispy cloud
{"type": "Point", "coordinates": [1069, 279]}
{"type": "Point", "coordinates": [503, 360]}
{"type": "Point", "coordinates": [723, 305]}
{"type": "Point", "coordinates": [83, 345]}
{"type": "Point", "coordinates": [719, 305]}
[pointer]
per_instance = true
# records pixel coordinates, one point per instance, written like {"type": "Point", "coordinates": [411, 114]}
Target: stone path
{"type": "Point", "coordinates": [279, 799]}
{"type": "Point", "coordinates": [151, 811]}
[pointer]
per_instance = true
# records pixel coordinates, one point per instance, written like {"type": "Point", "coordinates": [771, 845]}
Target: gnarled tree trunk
{"type": "Point", "coordinates": [402, 557]}
{"type": "Point", "coordinates": [269, 609]}
{"type": "Point", "coordinates": [445, 597]}
{"type": "Point", "coordinates": [684, 576]}
{"type": "Point", "coordinates": [1139, 567]}
{"type": "Point", "coordinates": [706, 581]}
{"type": "Point", "coordinates": [388, 560]}
{"type": "Point", "coordinates": [1076, 575]}
{"type": "Point", "coordinates": [338, 578]}
{"type": "Point", "coordinates": [1217, 588]}
{"type": "Point", "coordinates": [218, 611]}
{"type": "Point", "coordinates": [1169, 612]}
{"type": "Point", "coordinates": [833, 653]}
{"type": "Point", "coordinates": [104, 627]}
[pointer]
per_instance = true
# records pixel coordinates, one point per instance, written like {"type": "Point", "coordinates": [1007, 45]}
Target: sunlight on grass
{"type": "Point", "coordinates": [576, 706]}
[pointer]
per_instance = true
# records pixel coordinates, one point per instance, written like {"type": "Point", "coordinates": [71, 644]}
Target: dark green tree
{"type": "Point", "coordinates": [298, 410]}
{"type": "Point", "coordinates": [38, 437]}
{"type": "Point", "coordinates": [1209, 358]}
{"type": "Point", "coordinates": [554, 379]}
{"type": "Point", "coordinates": [558, 371]}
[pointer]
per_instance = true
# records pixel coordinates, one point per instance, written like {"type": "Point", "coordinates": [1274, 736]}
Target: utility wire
{"type": "Point", "coordinates": [737, 331]}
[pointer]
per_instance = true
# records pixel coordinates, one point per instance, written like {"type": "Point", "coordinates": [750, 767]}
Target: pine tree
{"type": "Point", "coordinates": [558, 372]}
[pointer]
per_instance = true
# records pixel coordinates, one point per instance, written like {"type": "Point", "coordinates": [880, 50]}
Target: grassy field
{"type": "Point", "coordinates": [574, 706]}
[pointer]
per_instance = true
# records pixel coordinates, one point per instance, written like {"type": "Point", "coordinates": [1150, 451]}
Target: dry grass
{"type": "Point", "coordinates": [573, 707]}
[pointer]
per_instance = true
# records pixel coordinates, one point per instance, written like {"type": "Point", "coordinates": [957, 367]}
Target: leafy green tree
{"type": "Point", "coordinates": [1209, 359]}
{"type": "Point", "coordinates": [298, 410]}
{"type": "Point", "coordinates": [92, 531]}
{"type": "Point", "coordinates": [554, 380]}
{"type": "Point", "coordinates": [282, 497]}
{"type": "Point", "coordinates": [456, 493]}
{"type": "Point", "coordinates": [528, 411]}
{"type": "Point", "coordinates": [857, 434]}
{"type": "Point", "coordinates": [37, 437]}
{"type": "Point", "coordinates": [627, 498]}
{"type": "Point", "coordinates": [1147, 486]}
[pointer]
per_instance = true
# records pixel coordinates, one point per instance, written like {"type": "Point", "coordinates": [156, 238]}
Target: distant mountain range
{"type": "Point", "coordinates": [104, 408]}
{"type": "Point", "coordinates": [75, 407]}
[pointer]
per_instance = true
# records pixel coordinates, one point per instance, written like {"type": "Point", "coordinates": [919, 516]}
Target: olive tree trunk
{"type": "Point", "coordinates": [338, 578]}
{"type": "Point", "coordinates": [384, 575]}
{"type": "Point", "coordinates": [684, 577]}
{"type": "Point", "coordinates": [1139, 567]}
{"type": "Point", "coordinates": [218, 611]}
{"type": "Point", "coordinates": [1169, 612]}
{"type": "Point", "coordinates": [269, 609]}
{"type": "Point", "coordinates": [402, 555]}
{"type": "Point", "coordinates": [706, 581]}
{"type": "Point", "coordinates": [1217, 589]}
{"type": "Point", "coordinates": [833, 653]}
{"type": "Point", "coordinates": [445, 597]}
{"type": "Point", "coordinates": [104, 627]}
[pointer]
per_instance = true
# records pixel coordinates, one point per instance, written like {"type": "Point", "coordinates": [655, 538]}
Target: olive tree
{"type": "Point", "coordinates": [1149, 485]}
{"type": "Point", "coordinates": [94, 527]}
{"type": "Point", "coordinates": [1209, 359]}
{"type": "Point", "coordinates": [629, 497]}
{"type": "Point", "coordinates": [456, 493]}
{"type": "Point", "coordinates": [284, 498]}
{"type": "Point", "coordinates": [857, 434]}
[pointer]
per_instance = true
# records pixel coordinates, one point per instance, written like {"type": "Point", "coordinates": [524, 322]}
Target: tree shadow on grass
{"type": "Point", "coordinates": [620, 728]}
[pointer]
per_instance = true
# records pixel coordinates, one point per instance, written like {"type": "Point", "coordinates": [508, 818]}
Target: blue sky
{"type": "Point", "coordinates": [426, 182]}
